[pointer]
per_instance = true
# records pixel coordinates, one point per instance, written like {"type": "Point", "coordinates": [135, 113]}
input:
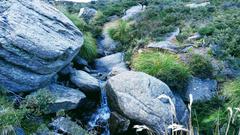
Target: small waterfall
{"type": "Point", "coordinates": [99, 120]}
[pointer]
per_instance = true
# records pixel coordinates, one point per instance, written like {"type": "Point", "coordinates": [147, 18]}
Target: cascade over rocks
{"type": "Point", "coordinates": [36, 41]}
{"type": "Point", "coordinates": [135, 96]}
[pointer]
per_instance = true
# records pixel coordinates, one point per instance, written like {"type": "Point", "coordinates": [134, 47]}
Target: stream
{"type": "Point", "coordinates": [99, 120]}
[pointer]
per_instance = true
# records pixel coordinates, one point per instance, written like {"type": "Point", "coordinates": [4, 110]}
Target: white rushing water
{"type": "Point", "coordinates": [100, 118]}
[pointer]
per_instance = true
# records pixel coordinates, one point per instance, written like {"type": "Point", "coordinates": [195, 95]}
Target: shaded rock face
{"type": "Point", "coordinates": [135, 96]}
{"type": "Point", "coordinates": [36, 41]}
{"type": "Point", "coordinates": [119, 124]}
{"type": "Point", "coordinates": [201, 89]}
{"type": "Point", "coordinates": [182, 111]}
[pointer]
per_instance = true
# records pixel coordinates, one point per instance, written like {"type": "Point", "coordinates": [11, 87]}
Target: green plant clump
{"type": "Point", "coordinates": [37, 104]}
{"type": "Point", "coordinates": [121, 33]}
{"type": "Point", "coordinates": [89, 48]}
{"type": "Point", "coordinates": [8, 114]}
{"type": "Point", "coordinates": [165, 67]}
{"type": "Point", "coordinates": [211, 116]}
{"type": "Point", "coordinates": [207, 30]}
{"type": "Point", "coordinates": [200, 66]}
{"type": "Point", "coordinates": [226, 34]}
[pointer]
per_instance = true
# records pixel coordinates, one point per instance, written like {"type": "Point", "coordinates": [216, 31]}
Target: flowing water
{"type": "Point", "coordinates": [99, 120]}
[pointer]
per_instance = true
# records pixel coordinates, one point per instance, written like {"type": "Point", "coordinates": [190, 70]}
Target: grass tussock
{"type": "Point", "coordinates": [89, 48]}
{"type": "Point", "coordinates": [164, 66]}
{"type": "Point", "coordinates": [201, 66]}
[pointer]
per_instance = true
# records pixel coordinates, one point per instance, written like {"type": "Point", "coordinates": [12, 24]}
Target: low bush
{"type": "Point", "coordinates": [10, 117]}
{"type": "Point", "coordinates": [121, 32]}
{"type": "Point", "coordinates": [80, 23]}
{"type": "Point", "coordinates": [200, 66]}
{"type": "Point", "coordinates": [8, 114]}
{"type": "Point", "coordinates": [37, 104]}
{"type": "Point", "coordinates": [115, 8]}
{"type": "Point", "coordinates": [207, 30]}
{"type": "Point", "coordinates": [165, 67]}
{"type": "Point", "coordinates": [226, 34]}
{"type": "Point", "coordinates": [89, 48]}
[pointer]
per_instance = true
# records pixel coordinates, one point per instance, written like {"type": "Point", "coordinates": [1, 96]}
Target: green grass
{"type": "Point", "coordinates": [121, 33]}
{"type": "Point", "coordinates": [115, 8]}
{"type": "Point", "coordinates": [89, 48]}
{"type": "Point", "coordinates": [231, 91]}
{"type": "Point", "coordinates": [80, 23]}
{"type": "Point", "coordinates": [9, 115]}
{"type": "Point", "coordinates": [200, 66]}
{"type": "Point", "coordinates": [212, 115]}
{"type": "Point", "coordinates": [226, 33]}
{"type": "Point", "coordinates": [165, 67]}
{"type": "Point", "coordinates": [163, 18]}
{"type": "Point", "coordinates": [207, 30]}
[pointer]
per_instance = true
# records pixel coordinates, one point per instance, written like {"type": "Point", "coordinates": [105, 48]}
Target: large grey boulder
{"type": "Point", "coordinates": [85, 82]}
{"type": "Point", "coordinates": [36, 41]}
{"type": "Point", "coordinates": [65, 98]}
{"type": "Point", "coordinates": [107, 63]}
{"type": "Point", "coordinates": [201, 89]}
{"type": "Point", "coordinates": [133, 12]}
{"type": "Point", "coordinates": [135, 95]}
{"type": "Point", "coordinates": [87, 13]}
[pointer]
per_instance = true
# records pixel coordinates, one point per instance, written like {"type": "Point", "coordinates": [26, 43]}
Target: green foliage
{"type": "Point", "coordinates": [164, 17]}
{"type": "Point", "coordinates": [207, 30]}
{"type": "Point", "coordinates": [213, 115]}
{"type": "Point", "coordinates": [231, 91]}
{"type": "Point", "coordinates": [226, 34]}
{"type": "Point", "coordinates": [207, 115]}
{"type": "Point", "coordinates": [37, 104]}
{"type": "Point", "coordinates": [115, 8]}
{"type": "Point", "coordinates": [8, 114]}
{"type": "Point", "coordinates": [89, 48]}
{"type": "Point", "coordinates": [200, 66]}
{"type": "Point", "coordinates": [165, 67]}
{"type": "Point", "coordinates": [80, 23]}
{"type": "Point", "coordinates": [121, 33]}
